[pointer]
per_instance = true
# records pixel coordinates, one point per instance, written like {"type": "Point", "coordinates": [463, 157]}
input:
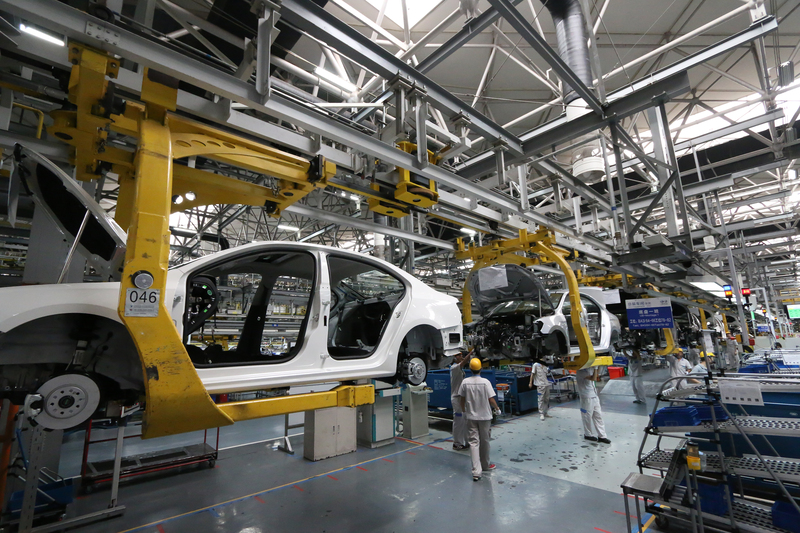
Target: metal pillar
{"type": "Point", "coordinates": [660, 135]}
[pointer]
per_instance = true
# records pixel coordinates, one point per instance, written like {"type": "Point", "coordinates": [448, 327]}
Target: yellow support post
{"type": "Point", "coordinates": [670, 347]}
{"type": "Point", "coordinates": [172, 386]}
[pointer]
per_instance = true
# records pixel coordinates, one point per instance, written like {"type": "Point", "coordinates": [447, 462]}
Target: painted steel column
{"type": "Point", "coordinates": [172, 386]}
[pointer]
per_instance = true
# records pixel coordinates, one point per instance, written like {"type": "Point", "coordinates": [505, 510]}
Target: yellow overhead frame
{"type": "Point", "coordinates": [176, 399]}
{"type": "Point", "coordinates": [86, 129]}
{"type": "Point", "coordinates": [409, 191]}
{"type": "Point", "coordinates": [542, 243]}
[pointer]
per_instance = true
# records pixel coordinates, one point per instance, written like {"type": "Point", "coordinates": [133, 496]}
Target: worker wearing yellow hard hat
{"type": "Point", "coordinates": [477, 402]}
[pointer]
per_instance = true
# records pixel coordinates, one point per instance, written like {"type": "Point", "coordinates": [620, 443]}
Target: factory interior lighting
{"type": "Point", "coordinates": [41, 35]}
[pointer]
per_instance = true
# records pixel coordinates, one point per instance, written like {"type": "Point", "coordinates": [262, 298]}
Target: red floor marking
{"type": "Point", "coordinates": [160, 528]}
{"type": "Point", "coordinates": [623, 514]}
{"type": "Point", "coordinates": [258, 498]}
{"type": "Point", "coordinates": [436, 447]}
{"type": "Point", "coordinates": [603, 530]}
{"type": "Point", "coordinates": [388, 460]}
{"type": "Point", "coordinates": [298, 488]}
{"type": "Point", "coordinates": [361, 468]}
{"type": "Point", "coordinates": [333, 478]}
{"type": "Point", "coordinates": [412, 453]}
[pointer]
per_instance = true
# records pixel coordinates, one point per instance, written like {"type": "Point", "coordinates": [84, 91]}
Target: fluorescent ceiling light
{"type": "Point", "coordinates": [286, 227]}
{"type": "Point", "coordinates": [41, 35]}
{"type": "Point", "coordinates": [468, 231]}
{"type": "Point", "coordinates": [416, 10]}
{"type": "Point", "coordinates": [335, 80]}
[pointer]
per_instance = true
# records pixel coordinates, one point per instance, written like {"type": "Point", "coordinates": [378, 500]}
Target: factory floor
{"type": "Point", "coordinates": [547, 476]}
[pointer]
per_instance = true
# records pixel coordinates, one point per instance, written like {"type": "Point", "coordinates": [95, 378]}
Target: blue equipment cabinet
{"type": "Point", "coordinates": [517, 400]}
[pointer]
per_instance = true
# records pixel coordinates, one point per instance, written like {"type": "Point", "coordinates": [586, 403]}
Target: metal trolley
{"type": "Point", "coordinates": [732, 490]}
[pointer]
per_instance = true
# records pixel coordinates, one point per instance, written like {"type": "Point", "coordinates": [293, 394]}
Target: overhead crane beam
{"type": "Point", "coordinates": [72, 23]}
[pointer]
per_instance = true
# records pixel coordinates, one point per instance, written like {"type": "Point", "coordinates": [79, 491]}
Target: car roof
{"type": "Point", "coordinates": [294, 246]}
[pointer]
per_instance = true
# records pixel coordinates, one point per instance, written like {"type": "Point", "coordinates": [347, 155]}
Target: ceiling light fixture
{"type": "Point", "coordinates": [41, 35]}
{"type": "Point", "coordinates": [190, 196]}
{"type": "Point", "coordinates": [338, 81]}
{"type": "Point", "coordinates": [286, 227]}
{"type": "Point", "coordinates": [468, 231]}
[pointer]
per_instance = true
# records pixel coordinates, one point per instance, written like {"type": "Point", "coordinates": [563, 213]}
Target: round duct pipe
{"type": "Point", "coordinates": [571, 35]}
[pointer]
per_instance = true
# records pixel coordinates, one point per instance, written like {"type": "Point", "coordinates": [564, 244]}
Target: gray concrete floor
{"type": "Point", "coordinates": [547, 476]}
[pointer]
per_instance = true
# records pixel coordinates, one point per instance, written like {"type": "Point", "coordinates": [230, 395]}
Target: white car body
{"type": "Point", "coordinates": [421, 306]}
{"type": "Point", "coordinates": [48, 329]}
{"type": "Point", "coordinates": [521, 318]}
{"type": "Point", "coordinates": [609, 324]}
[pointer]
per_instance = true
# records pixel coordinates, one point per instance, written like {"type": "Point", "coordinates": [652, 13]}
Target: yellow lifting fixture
{"type": "Point", "coordinates": [176, 399]}
{"type": "Point", "coordinates": [411, 189]}
{"type": "Point", "coordinates": [542, 243]}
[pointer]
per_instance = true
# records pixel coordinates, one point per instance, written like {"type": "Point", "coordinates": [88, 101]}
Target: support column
{"type": "Point", "coordinates": [172, 386]}
{"type": "Point", "coordinates": [660, 134]}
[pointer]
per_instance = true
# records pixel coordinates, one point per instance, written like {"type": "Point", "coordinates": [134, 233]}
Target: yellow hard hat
{"type": "Point", "coordinates": [709, 354]}
{"type": "Point", "coordinates": [475, 364]}
{"type": "Point", "coordinates": [679, 350]}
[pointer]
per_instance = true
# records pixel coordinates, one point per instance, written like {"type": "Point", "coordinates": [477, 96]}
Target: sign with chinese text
{"type": "Point", "coordinates": [649, 313]}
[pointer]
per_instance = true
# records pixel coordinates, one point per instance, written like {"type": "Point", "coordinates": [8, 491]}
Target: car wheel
{"type": "Point", "coordinates": [662, 522]}
{"type": "Point", "coordinates": [414, 370]}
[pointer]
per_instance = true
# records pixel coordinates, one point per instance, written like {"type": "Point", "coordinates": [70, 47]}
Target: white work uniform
{"type": "Point", "coordinates": [635, 372]}
{"type": "Point", "coordinates": [732, 355]}
{"type": "Point", "coordinates": [539, 373]}
{"type": "Point", "coordinates": [677, 368]}
{"type": "Point", "coordinates": [590, 405]}
{"type": "Point", "coordinates": [459, 420]}
{"type": "Point", "coordinates": [694, 356]}
{"type": "Point", "coordinates": [699, 369]}
{"type": "Point", "coordinates": [476, 392]}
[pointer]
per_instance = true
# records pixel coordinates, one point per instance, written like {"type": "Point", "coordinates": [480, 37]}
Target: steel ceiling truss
{"type": "Point", "coordinates": [458, 194]}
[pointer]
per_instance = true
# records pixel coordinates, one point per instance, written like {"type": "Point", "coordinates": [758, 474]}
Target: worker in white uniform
{"type": "Point", "coordinates": [678, 366]}
{"type": "Point", "coordinates": [732, 354]}
{"type": "Point", "coordinates": [477, 402]}
{"type": "Point", "coordinates": [635, 373]}
{"type": "Point", "coordinates": [590, 406]}
{"type": "Point", "coordinates": [459, 420]}
{"type": "Point", "coordinates": [694, 354]}
{"type": "Point", "coordinates": [539, 378]}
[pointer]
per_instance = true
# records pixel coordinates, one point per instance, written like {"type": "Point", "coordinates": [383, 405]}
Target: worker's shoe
{"type": "Point", "coordinates": [590, 437]}
{"type": "Point", "coordinates": [604, 440]}
{"type": "Point", "coordinates": [457, 446]}
{"type": "Point", "coordinates": [638, 401]}
{"type": "Point", "coordinates": [492, 466]}
{"type": "Point", "coordinates": [476, 478]}
{"type": "Point", "coordinates": [548, 415]}
{"type": "Point", "coordinates": [542, 417]}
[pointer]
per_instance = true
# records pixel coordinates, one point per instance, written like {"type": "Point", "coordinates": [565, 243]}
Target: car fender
{"type": "Point", "coordinates": [28, 303]}
{"type": "Point", "coordinates": [443, 316]}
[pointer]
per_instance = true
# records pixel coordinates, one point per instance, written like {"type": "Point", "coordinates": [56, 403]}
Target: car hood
{"type": "Point", "coordinates": [496, 284]}
{"type": "Point", "coordinates": [67, 204]}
